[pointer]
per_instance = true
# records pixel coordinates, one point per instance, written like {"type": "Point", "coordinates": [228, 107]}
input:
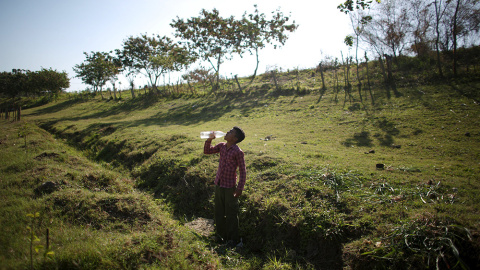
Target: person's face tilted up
{"type": "Point", "coordinates": [231, 136]}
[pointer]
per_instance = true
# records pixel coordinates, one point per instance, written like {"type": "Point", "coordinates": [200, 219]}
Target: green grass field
{"type": "Point", "coordinates": [128, 174]}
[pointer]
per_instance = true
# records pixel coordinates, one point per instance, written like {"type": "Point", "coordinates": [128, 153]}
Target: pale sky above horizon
{"type": "Point", "coordinates": [54, 34]}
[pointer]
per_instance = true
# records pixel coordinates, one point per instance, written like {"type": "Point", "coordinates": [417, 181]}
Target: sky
{"type": "Point", "coordinates": [36, 34]}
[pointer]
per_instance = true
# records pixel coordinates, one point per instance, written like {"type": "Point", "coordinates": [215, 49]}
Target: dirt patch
{"type": "Point", "coordinates": [47, 155]}
{"type": "Point", "coordinates": [108, 130]}
{"type": "Point", "coordinates": [202, 226]}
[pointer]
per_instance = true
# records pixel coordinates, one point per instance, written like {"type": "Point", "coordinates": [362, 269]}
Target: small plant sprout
{"type": "Point", "coordinates": [24, 131]}
{"type": "Point", "coordinates": [34, 241]}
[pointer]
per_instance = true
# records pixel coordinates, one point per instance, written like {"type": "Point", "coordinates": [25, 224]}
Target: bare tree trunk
{"type": "Point", "coordinates": [238, 83]}
{"type": "Point", "coordinates": [256, 67]}
{"type": "Point", "coordinates": [190, 87]}
{"type": "Point", "coordinates": [382, 67]}
{"type": "Point", "coordinates": [348, 85]}
{"type": "Point", "coordinates": [359, 82]}
{"type": "Point", "coordinates": [132, 89]}
{"type": "Point", "coordinates": [455, 56]}
{"type": "Point", "coordinates": [385, 77]}
{"type": "Point", "coordinates": [336, 81]}
{"type": "Point", "coordinates": [217, 83]}
{"type": "Point", "coordinates": [114, 92]}
{"type": "Point", "coordinates": [438, 16]}
{"type": "Point", "coordinates": [390, 79]}
{"type": "Point", "coordinates": [320, 68]}
{"type": "Point", "coordinates": [274, 75]}
{"type": "Point", "coordinates": [368, 80]}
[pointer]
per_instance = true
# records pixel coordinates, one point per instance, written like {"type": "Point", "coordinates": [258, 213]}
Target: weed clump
{"type": "Point", "coordinates": [425, 241]}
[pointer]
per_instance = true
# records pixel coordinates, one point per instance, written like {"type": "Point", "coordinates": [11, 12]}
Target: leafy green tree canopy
{"type": "Point", "coordinates": [154, 56]}
{"type": "Point", "coordinates": [13, 84]}
{"type": "Point", "coordinates": [351, 5]}
{"type": "Point", "coordinates": [49, 81]}
{"type": "Point", "coordinates": [210, 36]}
{"type": "Point", "coordinates": [97, 69]}
{"type": "Point", "coordinates": [258, 31]}
{"type": "Point", "coordinates": [24, 82]}
{"type": "Point", "coordinates": [215, 38]}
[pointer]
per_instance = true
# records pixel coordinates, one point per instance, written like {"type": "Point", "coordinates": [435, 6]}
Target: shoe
{"type": "Point", "coordinates": [240, 244]}
{"type": "Point", "coordinates": [232, 244]}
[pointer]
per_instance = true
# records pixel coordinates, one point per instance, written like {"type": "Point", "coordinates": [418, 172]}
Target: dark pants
{"type": "Point", "coordinates": [226, 214]}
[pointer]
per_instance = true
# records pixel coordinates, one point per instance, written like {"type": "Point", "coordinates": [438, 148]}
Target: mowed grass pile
{"type": "Point", "coordinates": [314, 196]}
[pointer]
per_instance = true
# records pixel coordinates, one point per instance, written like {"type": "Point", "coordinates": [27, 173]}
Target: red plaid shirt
{"type": "Point", "coordinates": [230, 159]}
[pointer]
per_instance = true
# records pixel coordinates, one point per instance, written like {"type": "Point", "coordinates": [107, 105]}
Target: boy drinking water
{"type": "Point", "coordinates": [227, 190]}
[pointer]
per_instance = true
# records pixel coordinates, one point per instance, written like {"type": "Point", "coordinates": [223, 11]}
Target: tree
{"type": "Point", "coordinates": [116, 69]}
{"type": "Point", "coordinates": [15, 83]}
{"type": "Point", "coordinates": [154, 56]}
{"type": "Point", "coordinates": [421, 18]}
{"type": "Point", "coordinates": [390, 27]}
{"type": "Point", "coordinates": [358, 22]}
{"type": "Point", "coordinates": [128, 70]}
{"type": "Point", "coordinates": [49, 81]}
{"type": "Point", "coordinates": [440, 8]}
{"type": "Point", "coordinates": [351, 5]}
{"type": "Point", "coordinates": [200, 76]}
{"type": "Point", "coordinates": [96, 70]}
{"type": "Point", "coordinates": [257, 32]}
{"type": "Point", "coordinates": [211, 37]}
{"type": "Point", "coordinates": [465, 20]}
{"type": "Point", "coordinates": [25, 82]}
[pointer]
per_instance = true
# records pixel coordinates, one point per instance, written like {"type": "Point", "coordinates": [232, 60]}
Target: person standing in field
{"type": "Point", "coordinates": [227, 190]}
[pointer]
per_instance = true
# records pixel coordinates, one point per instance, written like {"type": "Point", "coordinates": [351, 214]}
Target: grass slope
{"type": "Point", "coordinates": [59, 210]}
{"type": "Point", "coordinates": [314, 196]}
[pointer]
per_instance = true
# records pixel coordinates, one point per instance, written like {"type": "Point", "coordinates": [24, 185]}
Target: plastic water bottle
{"type": "Point", "coordinates": [206, 134]}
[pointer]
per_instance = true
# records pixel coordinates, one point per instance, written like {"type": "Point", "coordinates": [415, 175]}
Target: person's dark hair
{"type": "Point", "coordinates": [239, 134]}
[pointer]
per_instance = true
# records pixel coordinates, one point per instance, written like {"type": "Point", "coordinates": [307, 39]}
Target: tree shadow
{"type": "Point", "coordinates": [59, 106]}
{"type": "Point", "coordinates": [390, 131]}
{"type": "Point", "coordinates": [385, 140]}
{"type": "Point", "coordinates": [359, 139]}
{"type": "Point", "coordinates": [203, 111]}
{"type": "Point", "coordinates": [322, 93]}
{"type": "Point", "coordinates": [469, 91]}
{"type": "Point", "coordinates": [386, 137]}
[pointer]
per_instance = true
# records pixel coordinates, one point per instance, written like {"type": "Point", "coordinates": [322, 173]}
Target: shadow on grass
{"type": "Point", "coordinates": [471, 91]}
{"type": "Point", "coordinates": [359, 139]}
{"type": "Point", "coordinates": [205, 110]}
{"type": "Point", "coordinates": [389, 132]}
{"type": "Point", "coordinates": [187, 194]}
{"type": "Point", "coordinates": [385, 138]}
{"type": "Point", "coordinates": [59, 106]}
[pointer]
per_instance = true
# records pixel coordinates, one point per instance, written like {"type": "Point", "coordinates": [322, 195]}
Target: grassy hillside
{"type": "Point", "coordinates": [127, 174]}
